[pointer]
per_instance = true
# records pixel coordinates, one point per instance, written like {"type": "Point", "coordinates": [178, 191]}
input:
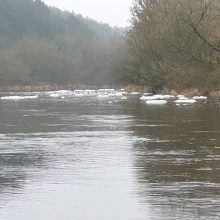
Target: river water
{"type": "Point", "coordinates": [87, 158]}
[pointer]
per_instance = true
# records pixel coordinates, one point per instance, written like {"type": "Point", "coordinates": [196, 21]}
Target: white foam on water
{"type": "Point", "coordinates": [119, 94]}
{"type": "Point", "coordinates": [200, 97]}
{"type": "Point", "coordinates": [103, 96]}
{"type": "Point", "coordinates": [147, 98]}
{"type": "Point", "coordinates": [54, 95]}
{"type": "Point", "coordinates": [86, 92]}
{"type": "Point", "coordinates": [156, 102]}
{"type": "Point", "coordinates": [181, 97]}
{"type": "Point", "coordinates": [124, 98]}
{"type": "Point", "coordinates": [135, 93]}
{"type": "Point", "coordinates": [156, 97]}
{"type": "Point", "coordinates": [58, 93]}
{"type": "Point", "coordinates": [205, 169]}
{"type": "Point", "coordinates": [18, 97]}
{"type": "Point", "coordinates": [185, 101]}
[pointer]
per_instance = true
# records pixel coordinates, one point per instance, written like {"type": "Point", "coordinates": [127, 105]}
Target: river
{"type": "Point", "coordinates": [89, 158]}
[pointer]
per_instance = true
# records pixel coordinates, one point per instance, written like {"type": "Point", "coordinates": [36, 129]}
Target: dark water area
{"type": "Point", "coordinates": [86, 158]}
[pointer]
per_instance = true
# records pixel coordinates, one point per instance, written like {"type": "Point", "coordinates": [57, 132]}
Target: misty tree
{"type": "Point", "coordinates": [47, 45]}
{"type": "Point", "coordinates": [13, 70]}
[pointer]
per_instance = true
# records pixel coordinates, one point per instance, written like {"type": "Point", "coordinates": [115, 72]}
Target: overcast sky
{"type": "Point", "coordinates": [114, 12]}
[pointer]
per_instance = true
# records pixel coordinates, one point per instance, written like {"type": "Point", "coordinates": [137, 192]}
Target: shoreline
{"type": "Point", "coordinates": [46, 88]}
{"type": "Point", "coordinates": [129, 89]}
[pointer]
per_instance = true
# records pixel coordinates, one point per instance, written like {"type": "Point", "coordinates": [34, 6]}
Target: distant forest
{"type": "Point", "coordinates": [41, 44]}
{"type": "Point", "coordinates": [169, 45]}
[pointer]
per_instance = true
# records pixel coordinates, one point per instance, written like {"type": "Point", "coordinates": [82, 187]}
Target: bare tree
{"type": "Point", "coordinates": [174, 39]}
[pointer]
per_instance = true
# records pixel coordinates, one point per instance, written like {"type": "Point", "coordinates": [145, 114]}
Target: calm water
{"type": "Point", "coordinates": [108, 159]}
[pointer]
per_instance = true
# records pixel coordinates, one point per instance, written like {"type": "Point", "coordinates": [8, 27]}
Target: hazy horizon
{"type": "Point", "coordinates": [115, 13]}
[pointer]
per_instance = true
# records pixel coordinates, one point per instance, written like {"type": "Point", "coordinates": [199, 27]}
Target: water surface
{"type": "Point", "coordinates": [88, 158]}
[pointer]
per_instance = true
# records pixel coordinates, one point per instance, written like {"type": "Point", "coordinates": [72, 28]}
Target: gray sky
{"type": "Point", "coordinates": [114, 12]}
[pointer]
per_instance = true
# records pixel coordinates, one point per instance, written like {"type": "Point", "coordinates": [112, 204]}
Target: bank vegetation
{"type": "Point", "coordinates": [173, 45]}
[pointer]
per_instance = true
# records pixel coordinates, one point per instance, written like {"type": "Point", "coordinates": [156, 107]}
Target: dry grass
{"type": "Point", "coordinates": [48, 87]}
{"type": "Point", "coordinates": [191, 92]}
{"type": "Point", "coordinates": [214, 94]}
{"type": "Point", "coordinates": [140, 89]}
{"type": "Point", "coordinates": [167, 91]}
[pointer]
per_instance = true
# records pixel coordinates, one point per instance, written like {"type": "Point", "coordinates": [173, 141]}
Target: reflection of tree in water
{"type": "Point", "coordinates": [178, 167]}
{"type": "Point", "coordinates": [17, 164]}
{"type": "Point", "coordinates": [21, 152]}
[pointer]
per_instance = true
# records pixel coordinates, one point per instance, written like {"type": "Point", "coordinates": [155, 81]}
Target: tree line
{"type": "Point", "coordinates": [170, 44]}
{"type": "Point", "coordinates": [173, 44]}
{"type": "Point", "coordinates": [41, 44]}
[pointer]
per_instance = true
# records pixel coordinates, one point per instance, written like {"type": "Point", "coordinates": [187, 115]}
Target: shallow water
{"type": "Point", "coordinates": [88, 158]}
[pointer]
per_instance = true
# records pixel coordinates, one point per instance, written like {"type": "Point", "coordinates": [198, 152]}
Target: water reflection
{"type": "Point", "coordinates": [178, 167]}
{"type": "Point", "coordinates": [83, 158]}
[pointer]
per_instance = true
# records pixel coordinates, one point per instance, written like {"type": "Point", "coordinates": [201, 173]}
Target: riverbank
{"type": "Point", "coordinates": [47, 87]}
{"type": "Point", "coordinates": [129, 89]}
{"type": "Point", "coordinates": [187, 93]}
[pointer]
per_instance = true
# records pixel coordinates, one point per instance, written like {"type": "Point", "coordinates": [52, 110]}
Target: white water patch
{"type": "Point", "coordinates": [165, 96]}
{"type": "Point", "coordinates": [135, 93]}
{"type": "Point", "coordinates": [62, 94]}
{"type": "Point", "coordinates": [107, 92]}
{"type": "Point", "coordinates": [124, 98]}
{"type": "Point", "coordinates": [147, 98]}
{"type": "Point", "coordinates": [181, 97]}
{"type": "Point", "coordinates": [119, 94]}
{"type": "Point", "coordinates": [172, 153]}
{"type": "Point", "coordinates": [185, 101]}
{"type": "Point", "coordinates": [152, 125]}
{"type": "Point", "coordinates": [99, 93]}
{"type": "Point", "coordinates": [16, 98]}
{"type": "Point", "coordinates": [87, 92]}
{"type": "Point", "coordinates": [156, 102]}
{"type": "Point", "coordinates": [200, 97]}
{"type": "Point", "coordinates": [205, 169]}
{"type": "Point", "coordinates": [54, 95]}
{"type": "Point", "coordinates": [156, 97]}
{"type": "Point", "coordinates": [59, 93]}
{"type": "Point", "coordinates": [103, 96]}
{"type": "Point", "coordinates": [205, 131]}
